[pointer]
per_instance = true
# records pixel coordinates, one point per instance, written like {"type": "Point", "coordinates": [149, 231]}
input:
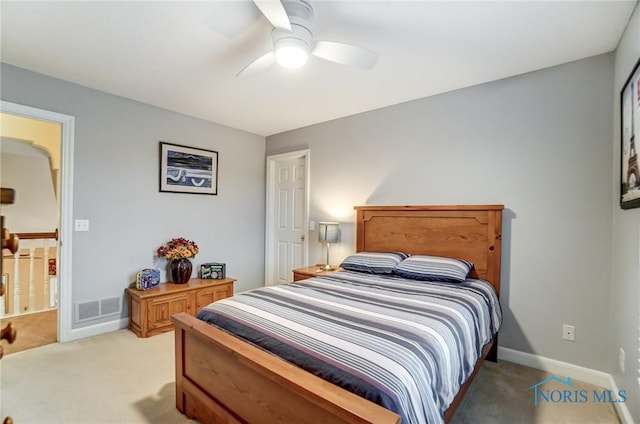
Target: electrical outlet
{"type": "Point", "coordinates": [569, 332]}
{"type": "Point", "coordinates": [81, 225]}
{"type": "Point", "coordinates": [621, 358]}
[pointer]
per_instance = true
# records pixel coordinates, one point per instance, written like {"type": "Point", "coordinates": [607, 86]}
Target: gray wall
{"type": "Point", "coordinates": [625, 289]}
{"type": "Point", "coordinates": [539, 144]}
{"type": "Point", "coordinates": [116, 187]}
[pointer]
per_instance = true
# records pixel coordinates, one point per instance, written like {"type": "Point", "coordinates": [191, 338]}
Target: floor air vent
{"type": "Point", "coordinates": [87, 310]}
{"type": "Point", "coordinates": [110, 306]}
{"type": "Point", "coordinates": [95, 309]}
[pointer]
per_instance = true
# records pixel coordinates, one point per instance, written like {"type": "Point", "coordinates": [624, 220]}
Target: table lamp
{"type": "Point", "coordinates": [328, 232]}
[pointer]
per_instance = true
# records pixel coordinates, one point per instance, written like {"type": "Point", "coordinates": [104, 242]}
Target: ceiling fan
{"type": "Point", "coordinates": [293, 41]}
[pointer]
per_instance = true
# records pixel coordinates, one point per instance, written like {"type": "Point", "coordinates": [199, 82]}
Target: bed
{"type": "Point", "coordinates": [221, 378]}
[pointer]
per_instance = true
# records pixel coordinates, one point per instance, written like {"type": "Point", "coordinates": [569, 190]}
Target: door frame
{"type": "Point", "coordinates": [269, 253]}
{"type": "Point", "coordinates": [65, 233]}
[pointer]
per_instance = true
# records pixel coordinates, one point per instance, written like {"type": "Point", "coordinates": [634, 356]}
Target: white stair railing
{"type": "Point", "coordinates": [30, 268]}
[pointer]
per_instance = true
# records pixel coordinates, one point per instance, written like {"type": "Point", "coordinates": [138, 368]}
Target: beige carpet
{"type": "Point", "coordinates": [119, 378]}
{"type": "Point", "coordinates": [112, 378]}
{"type": "Point", "coordinates": [500, 394]}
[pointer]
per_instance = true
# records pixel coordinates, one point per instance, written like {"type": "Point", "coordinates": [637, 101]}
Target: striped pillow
{"type": "Point", "coordinates": [434, 268]}
{"type": "Point", "coordinates": [373, 262]}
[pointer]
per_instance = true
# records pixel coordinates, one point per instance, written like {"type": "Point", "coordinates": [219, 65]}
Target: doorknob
{"type": "Point", "coordinates": [302, 237]}
{"type": "Point", "coordinates": [10, 241]}
{"type": "Point", "coordinates": [8, 333]}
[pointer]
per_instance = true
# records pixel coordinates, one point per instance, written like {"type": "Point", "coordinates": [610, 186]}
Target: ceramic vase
{"type": "Point", "coordinates": [180, 270]}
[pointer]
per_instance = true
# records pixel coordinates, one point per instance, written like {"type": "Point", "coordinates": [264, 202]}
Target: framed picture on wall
{"type": "Point", "coordinates": [629, 128]}
{"type": "Point", "coordinates": [186, 169]}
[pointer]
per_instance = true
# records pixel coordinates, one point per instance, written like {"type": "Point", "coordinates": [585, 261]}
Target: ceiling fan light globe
{"type": "Point", "coordinates": [291, 56]}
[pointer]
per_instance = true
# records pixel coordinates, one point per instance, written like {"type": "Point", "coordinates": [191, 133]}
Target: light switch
{"type": "Point", "coordinates": [81, 225]}
{"type": "Point", "coordinates": [312, 225]}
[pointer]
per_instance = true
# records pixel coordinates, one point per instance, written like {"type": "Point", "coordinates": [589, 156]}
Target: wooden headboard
{"type": "Point", "coordinates": [471, 232]}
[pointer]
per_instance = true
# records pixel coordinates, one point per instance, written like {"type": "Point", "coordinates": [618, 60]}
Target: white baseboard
{"type": "Point", "coordinates": [553, 366]}
{"type": "Point", "coordinates": [597, 378]}
{"type": "Point", "coordinates": [621, 408]}
{"type": "Point", "coordinates": [95, 330]}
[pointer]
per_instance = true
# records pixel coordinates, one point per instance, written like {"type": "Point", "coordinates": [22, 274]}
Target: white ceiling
{"type": "Point", "coordinates": [184, 56]}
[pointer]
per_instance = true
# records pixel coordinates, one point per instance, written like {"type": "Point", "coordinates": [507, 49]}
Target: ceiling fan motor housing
{"type": "Point", "coordinates": [298, 11]}
{"type": "Point", "coordinates": [300, 14]}
{"type": "Point", "coordinates": [299, 36]}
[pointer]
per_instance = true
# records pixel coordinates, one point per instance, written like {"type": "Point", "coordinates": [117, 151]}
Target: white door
{"type": "Point", "coordinates": [286, 226]}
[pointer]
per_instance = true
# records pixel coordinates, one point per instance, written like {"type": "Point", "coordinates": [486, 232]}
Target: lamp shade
{"type": "Point", "coordinates": [328, 232]}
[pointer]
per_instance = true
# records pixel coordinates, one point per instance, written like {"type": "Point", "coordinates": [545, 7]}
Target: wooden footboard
{"type": "Point", "coordinates": [221, 379]}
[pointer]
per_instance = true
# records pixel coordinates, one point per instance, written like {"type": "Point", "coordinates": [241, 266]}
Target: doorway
{"type": "Point", "coordinates": [30, 166]}
{"type": "Point", "coordinates": [63, 181]}
{"type": "Point", "coordinates": [287, 215]}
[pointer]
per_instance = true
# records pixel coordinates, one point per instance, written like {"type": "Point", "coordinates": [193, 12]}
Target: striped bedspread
{"type": "Point", "coordinates": [404, 344]}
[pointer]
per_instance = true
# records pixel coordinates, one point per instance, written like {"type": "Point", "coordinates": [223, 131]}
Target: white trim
{"type": "Point", "coordinates": [597, 378]}
{"type": "Point", "coordinates": [66, 207]}
{"type": "Point", "coordinates": [97, 329]}
{"type": "Point", "coordinates": [553, 366]}
{"type": "Point", "coordinates": [621, 408]}
{"type": "Point", "coordinates": [269, 232]}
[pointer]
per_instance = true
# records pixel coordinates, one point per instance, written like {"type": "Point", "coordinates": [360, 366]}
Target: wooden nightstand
{"type": "Point", "coordinates": [150, 310]}
{"type": "Point", "coordinates": [311, 271]}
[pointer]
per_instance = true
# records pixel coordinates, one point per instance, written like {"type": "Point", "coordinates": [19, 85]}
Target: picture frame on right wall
{"type": "Point", "coordinates": [630, 142]}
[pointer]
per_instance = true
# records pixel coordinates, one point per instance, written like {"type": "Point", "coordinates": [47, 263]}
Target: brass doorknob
{"type": "Point", "coordinates": [9, 333]}
{"type": "Point", "coordinates": [10, 241]}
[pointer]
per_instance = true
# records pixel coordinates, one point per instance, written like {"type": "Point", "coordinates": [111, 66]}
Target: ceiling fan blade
{"type": "Point", "coordinates": [258, 65]}
{"type": "Point", "coordinates": [274, 11]}
{"type": "Point", "coordinates": [345, 54]}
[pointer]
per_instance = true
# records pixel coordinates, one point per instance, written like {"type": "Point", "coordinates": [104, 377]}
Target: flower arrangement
{"type": "Point", "coordinates": [178, 248]}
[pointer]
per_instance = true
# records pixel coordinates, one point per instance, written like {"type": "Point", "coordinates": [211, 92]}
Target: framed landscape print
{"type": "Point", "coordinates": [630, 117]}
{"type": "Point", "coordinates": [186, 169]}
